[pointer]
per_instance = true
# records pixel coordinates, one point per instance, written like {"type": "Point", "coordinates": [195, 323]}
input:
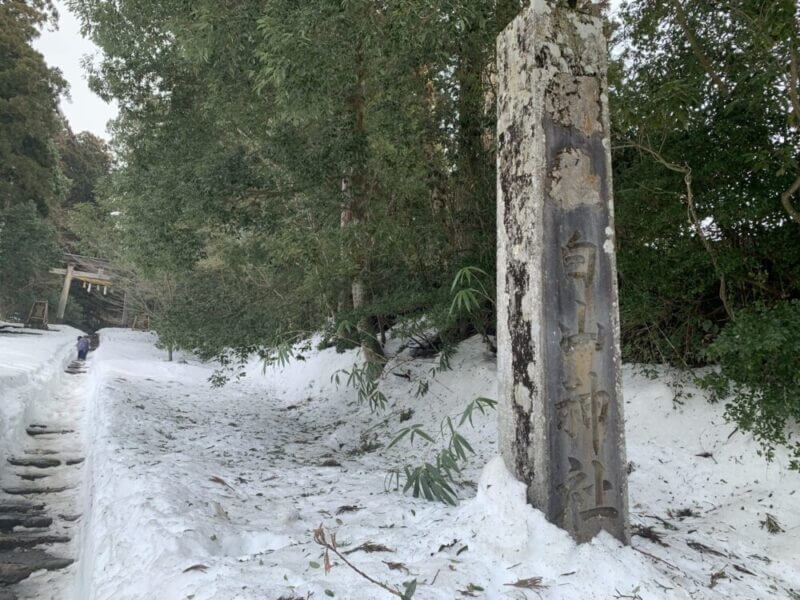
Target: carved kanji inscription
{"type": "Point", "coordinates": [561, 421]}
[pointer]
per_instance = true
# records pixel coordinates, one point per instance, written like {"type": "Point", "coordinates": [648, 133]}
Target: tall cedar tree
{"type": "Point", "coordinates": [30, 179]}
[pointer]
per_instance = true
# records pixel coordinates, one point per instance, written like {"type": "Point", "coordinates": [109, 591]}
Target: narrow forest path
{"type": "Point", "coordinates": [40, 491]}
{"type": "Point", "coordinates": [213, 493]}
{"type": "Point", "coordinates": [209, 493]}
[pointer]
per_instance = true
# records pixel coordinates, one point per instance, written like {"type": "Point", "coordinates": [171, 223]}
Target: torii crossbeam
{"type": "Point", "coordinates": [94, 271]}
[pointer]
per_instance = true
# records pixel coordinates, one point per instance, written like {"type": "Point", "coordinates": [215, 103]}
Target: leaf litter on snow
{"type": "Point", "coordinates": [265, 546]}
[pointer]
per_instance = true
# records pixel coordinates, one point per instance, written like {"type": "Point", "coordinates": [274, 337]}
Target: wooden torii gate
{"type": "Point", "coordinates": [92, 271]}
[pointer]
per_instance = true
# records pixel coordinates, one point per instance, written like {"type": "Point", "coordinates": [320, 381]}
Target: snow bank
{"type": "Point", "coordinates": [31, 367]}
{"type": "Point", "coordinates": [214, 493]}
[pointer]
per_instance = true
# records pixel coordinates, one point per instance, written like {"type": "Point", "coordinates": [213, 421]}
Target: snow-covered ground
{"type": "Point", "coordinates": [192, 492]}
{"type": "Point", "coordinates": [31, 368]}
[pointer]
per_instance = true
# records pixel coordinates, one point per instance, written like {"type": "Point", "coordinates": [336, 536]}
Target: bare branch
{"type": "Point", "coordinates": [686, 170]}
{"type": "Point", "coordinates": [794, 81]}
{"type": "Point", "coordinates": [320, 538]}
{"type": "Point", "coordinates": [786, 200]}
{"type": "Point", "coordinates": [656, 155]}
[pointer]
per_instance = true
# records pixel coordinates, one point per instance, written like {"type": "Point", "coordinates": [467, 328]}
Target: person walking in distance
{"type": "Point", "coordinates": [83, 347]}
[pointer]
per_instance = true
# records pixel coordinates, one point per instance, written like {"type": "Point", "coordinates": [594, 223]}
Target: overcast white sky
{"type": "Point", "coordinates": [65, 49]}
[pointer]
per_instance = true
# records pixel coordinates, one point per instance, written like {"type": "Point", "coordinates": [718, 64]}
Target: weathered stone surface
{"type": "Point", "coordinates": [7, 523]}
{"type": "Point", "coordinates": [20, 507]}
{"type": "Point", "coordinates": [39, 463]}
{"type": "Point", "coordinates": [27, 540]}
{"type": "Point", "coordinates": [32, 476]}
{"type": "Point", "coordinates": [35, 431]}
{"type": "Point", "coordinates": [16, 566]}
{"type": "Point", "coordinates": [560, 411]}
{"type": "Point", "coordinates": [24, 491]}
{"type": "Point", "coordinates": [6, 594]}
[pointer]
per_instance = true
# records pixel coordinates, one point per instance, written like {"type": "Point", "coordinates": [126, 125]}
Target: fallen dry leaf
{"type": "Point", "coordinates": [197, 567]}
{"type": "Point", "coordinates": [370, 547]}
{"type": "Point", "coordinates": [703, 549]}
{"type": "Point", "coordinates": [531, 583]}
{"type": "Point", "coordinates": [396, 566]}
{"type": "Point", "coordinates": [221, 481]}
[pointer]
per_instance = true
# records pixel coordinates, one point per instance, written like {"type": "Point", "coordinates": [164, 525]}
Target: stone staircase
{"type": "Point", "coordinates": [40, 491]}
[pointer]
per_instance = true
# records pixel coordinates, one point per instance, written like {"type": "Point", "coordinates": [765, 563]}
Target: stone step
{"type": "Point", "coordinates": [16, 566]}
{"type": "Point", "coordinates": [41, 452]}
{"type": "Point", "coordinates": [32, 476]}
{"type": "Point", "coordinates": [39, 463]}
{"type": "Point", "coordinates": [69, 518]}
{"type": "Point", "coordinates": [35, 431]}
{"type": "Point", "coordinates": [21, 507]}
{"type": "Point", "coordinates": [74, 461]}
{"type": "Point", "coordinates": [75, 367]}
{"type": "Point", "coordinates": [7, 523]}
{"type": "Point", "coordinates": [24, 491]}
{"type": "Point", "coordinates": [29, 540]}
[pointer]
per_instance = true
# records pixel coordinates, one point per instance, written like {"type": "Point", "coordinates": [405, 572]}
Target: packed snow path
{"type": "Point", "coordinates": [40, 497]}
{"type": "Point", "coordinates": [213, 494]}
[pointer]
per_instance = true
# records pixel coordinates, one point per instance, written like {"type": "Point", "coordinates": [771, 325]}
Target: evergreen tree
{"type": "Point", "coordinates": [706, 172]}
{"type": "Point", "coordinates": [30, 178]}
{"type": "Point", "coordinates": [303, 155]}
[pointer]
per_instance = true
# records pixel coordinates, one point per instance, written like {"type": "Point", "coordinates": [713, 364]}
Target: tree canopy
{"type": "Point", "coordinates": [290, 167]}
{"type": "Point", "coordinates": [30, 178]}
{"type": "Point", "coordinates": [332, 160]}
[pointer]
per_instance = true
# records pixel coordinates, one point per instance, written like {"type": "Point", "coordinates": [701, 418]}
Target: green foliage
{"type": "Point", "coordinates": [433, 482]}
{"type": "Point", "coordinates": [340, 170]}
{"type": "Point", "coordinates": [409, 588]}
{"type": "Point", "coordinates": [473, 305]}
{"type": "Point", "coordinates": [44, 168]}
{"type": "Point", "coordinates": [85, 159]}
{"type": "Point", "coordinates": [411, 432]}
{"type": "Point", "coordinates": [31, 183]}
{"type": "Point", "coordinates": [468, 290]}
{"type": "Point", "coordinates": [329, 148]}
{"type": "Point", "coordinates": [29, 92]}
{"type": "Point", "coordinates": [759, 358]}
{"type": "Point", "coordinates": [27, 247]}
{"type": "Point", "coordinates": [437, 480]}
{"type": "Point", "coordinates": [365, 380]}
{"type": "Point", "coordinates": [480, 403]}
{"type": "Point", "coordinates": [706, 88]}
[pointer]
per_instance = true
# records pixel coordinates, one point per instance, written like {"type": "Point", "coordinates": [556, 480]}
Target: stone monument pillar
{"type": "Point", "coordinates": [560, 409]}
